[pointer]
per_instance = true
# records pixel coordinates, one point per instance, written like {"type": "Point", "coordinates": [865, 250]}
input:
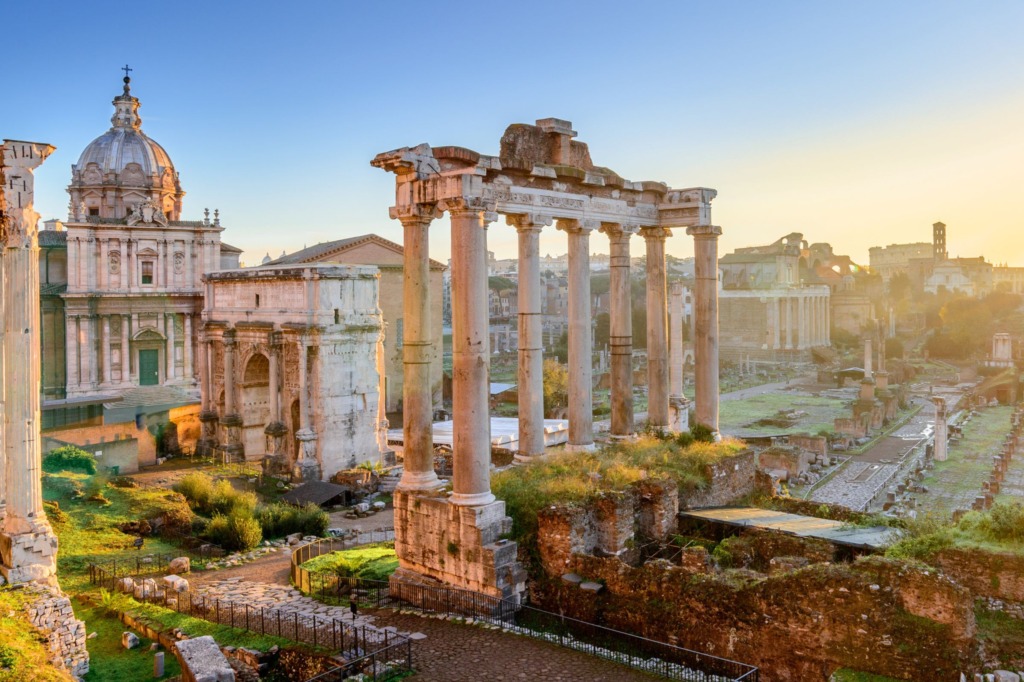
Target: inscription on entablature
{"type": "Point", "coordinates": [561, 202]}
{"type": "Point", "coordinates": [511, 197]}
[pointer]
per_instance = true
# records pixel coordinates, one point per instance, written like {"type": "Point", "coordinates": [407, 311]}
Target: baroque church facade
{"type": "Point", "coordinates": [133, 295]}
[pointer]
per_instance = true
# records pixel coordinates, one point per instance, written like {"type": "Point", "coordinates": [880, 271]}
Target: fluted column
{"type": "Point", "coordinates": [70, 353]}
{"type": "Point", "coordinates": [187, 348]}
{"type": "Point", "coordinates": [170, 347]}
{"type": "Point", "coordinates": [105, 345]}
{"type": "Point", "coordinates": [417, 349]}
{"type": "Point", "coordinates": [581, 411]}
{"type": "Point", "coordinates": [531, 343]}
{"type": "Point", "coordinates": [125, 350]}
{"type": "Point", "coordinates": [777, 309]}
{"type": "Point", "coordinates": [705, 316]}
{"type": "Point", "coordinates": [657, 327]}
{"type": "Point", "coordinates": [28, 546]}
{"type": "Point", "coordinates": [471, 351]}
{"type": "Point", "coordinates": [620, 336]}
{"type": "Point", "coordinates": [90, 350]}
{"type": "Point", "coordinates": [229, 374]}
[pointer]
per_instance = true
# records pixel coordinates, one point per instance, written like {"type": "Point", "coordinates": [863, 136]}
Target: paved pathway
{"type": "Point", "coordinates": [454, 652]}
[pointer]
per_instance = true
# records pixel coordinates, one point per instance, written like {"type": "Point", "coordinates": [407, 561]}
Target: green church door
{"type": "Point", "coordinates": [149, 367]}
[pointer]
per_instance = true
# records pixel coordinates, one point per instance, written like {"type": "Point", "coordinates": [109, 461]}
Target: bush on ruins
{"type": "Point", "coordinates": [69, 458]}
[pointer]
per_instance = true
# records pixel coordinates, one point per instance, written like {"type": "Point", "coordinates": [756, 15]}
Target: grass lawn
{"type": "Point", "coordinates": [741, 417]}
{"type": "Point", "coordinates": [370, 562]}
{"type": "Point", "coordinates": [955, 483]}
{"type": "Point", "coordinates": [847, 675]}
{"type": "Point", "coordinates": [108, 660]}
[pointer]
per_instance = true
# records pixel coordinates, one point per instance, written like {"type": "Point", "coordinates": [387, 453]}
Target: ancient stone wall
{"type": "Point", "coordinates": [875, 615]}
{"type": "Point", "coordinates": [731, 478]}
{"type": "Point", "coordinates": [816, 445]}
{"type": "Point", "coordinates": [986, 574]}
{"type": "Point", "coordinates": [49, 610]}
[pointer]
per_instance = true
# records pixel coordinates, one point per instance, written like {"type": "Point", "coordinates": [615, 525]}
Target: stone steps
{"type": "Point", "coordinates": [389, 483]}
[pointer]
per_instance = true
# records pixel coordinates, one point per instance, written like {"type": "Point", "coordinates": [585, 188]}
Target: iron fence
{"type": "Point", "coordinates": [379, 666]}
{"type": "Point", "coordinates": [640, 653]}
{"type": "Point", "coordinates": [354, 643]}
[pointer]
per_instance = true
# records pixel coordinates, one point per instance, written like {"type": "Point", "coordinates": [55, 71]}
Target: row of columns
{"type": "Point", "coordinates": [470, 367]}
{"type": "Point", "coordinates": [83, 331]}
{"type": "Point", "coordinates": [90, 268]}
{"type": "Point", "coordinates": [800, 321]}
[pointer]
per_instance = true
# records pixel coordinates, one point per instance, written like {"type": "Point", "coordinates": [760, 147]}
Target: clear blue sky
{"type": "Point", "coordinates": [855, 123]}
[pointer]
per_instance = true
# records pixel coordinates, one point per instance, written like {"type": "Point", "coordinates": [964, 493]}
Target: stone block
{"type": "Point", "coordinates": [176, 583]}
{"type": "Point", "coordinates": [202, 661]}
{"type": "Point", "coordinates": [1006, 676]}
{"type": "Point", "coordinates": [180, 565]}
{"type": "Point", "coordinates": [129, 640]}
{"type": "Point", "coordinates": [572, 579]}
{"type": "Point", "coordinates": [592, 587]}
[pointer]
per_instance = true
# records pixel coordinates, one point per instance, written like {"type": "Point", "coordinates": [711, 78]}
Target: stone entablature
{"type": "Point", "coordinates": [291, 360]}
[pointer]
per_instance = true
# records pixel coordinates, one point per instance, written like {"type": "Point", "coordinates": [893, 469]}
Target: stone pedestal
{"type": "Point", "coordinates": [443, 544]}
{"type": "Point", "coordinates": [207, 442]}
{"type": "Point", "coordinates": [275, 462]}
{"type": "Point", "coordinates": [307, 467]}
{"type": "Point", "coordinates": [230, 445]}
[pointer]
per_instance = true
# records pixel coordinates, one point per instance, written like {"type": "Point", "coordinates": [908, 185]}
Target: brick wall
{"type": "Point", "coordinates": [731, 478]}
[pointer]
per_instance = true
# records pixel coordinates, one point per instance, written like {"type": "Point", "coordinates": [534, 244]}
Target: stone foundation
{"type": "Point", "coordinates": [49, 611]}
{"type": "Point", "coordinates": [439, 543]}
{"type": "Point", "coordinates": [25, 557]}
{"type": "Point", "coordinates": [731, 478]}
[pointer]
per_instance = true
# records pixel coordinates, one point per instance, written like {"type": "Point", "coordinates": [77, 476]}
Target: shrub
{"type": "Point", "coordinates": [280, 519]}
{"type": "Point", "coordinates": [237, 532]}
{"type": "Point", "coordinates": [69, 458]}
{"type": "Point", "coordinates": [197, 489]}
{"type": "Point", "coordinates": [722, 557]}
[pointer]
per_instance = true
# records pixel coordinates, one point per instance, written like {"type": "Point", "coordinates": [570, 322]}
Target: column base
{"type": "Point", "coordinates": [579, 447]}
{"type": "Point", "coordinates": [307, 467]}
{"type": "Point", "coordinates": [678, 414]}
{"type": "Point", "coordinates": [472, 499]}
{"type": "Point", "coordinates": [419, 481]}
{"type": "Point", "coordinates": [30, 556]}
{"type": "Point", "coordinates": [628, 438]}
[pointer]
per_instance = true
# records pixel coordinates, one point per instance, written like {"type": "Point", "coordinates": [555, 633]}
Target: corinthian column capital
{"type": "Point", "coordinates": [457, 206]}
{"type": "Point", "coordinates": [573, 226]}
{"type": "Point", "coordinates": [19, 222]}
{"type": "Point", "coordinates": [619, 232]}
{"type": "Point", "coordinates": [655, 233]}
{"type": "Point", "coordinates": [704, 231]}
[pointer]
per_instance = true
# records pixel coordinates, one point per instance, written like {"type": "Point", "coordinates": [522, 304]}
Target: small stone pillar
{"type": "Point", "coordinates": [230, 422]}
{"type": "Point", "coordinates": [417, 349]}
{"type": "Point", "coordinates": [657, 327]}
{"type": "Point", "coordinates": [531, 345]}
{"type": "Point", "coordinates": [307, 466]}
{"type": "Point", "coordinates": [28, 545]}
{"type": "Point", "coordinates": [470, 352]}
{"type": "Point", "coordinates": [581, 411]}
{"type": "Point", "coordinates": [678, 405]}
{"type": "Point", "coordinates": [867, 357]}
{"type": "Point", "coordinates": [620, 338]}
{"type": "Point", "coordinates": [940, 428]}
{"type": "Point", "coordinates": [705, 327]}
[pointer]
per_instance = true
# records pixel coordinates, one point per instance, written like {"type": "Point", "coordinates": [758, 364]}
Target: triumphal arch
{"type": "Point", "coordinates": [540, 177]}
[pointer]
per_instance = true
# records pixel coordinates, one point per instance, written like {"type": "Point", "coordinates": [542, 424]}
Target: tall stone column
{"type": "Point", "coordinates": [104, 270]}
{"type": "Point", "coordinates": [801, 316]}
{"type": "Point", "coordinates": [105, 344]}
{"type": "Point", "coordinates": [471, 352]}
{"type": "Point", "coordinates": [787, 304]}
{"type": "Point", "coordinates": [307, 467]}
{"type": "Point", "coordinates": [417, 349]}
{"type": "Point", "coordinates": [657, 327]}
{"type": "Point", "coordinates": [531, 343]}
{"type": "Point", "coordinates": [868, 356]}
{"type": "Point", "coordinates": [939, 452]}
{"type": "Point", "coordinates": [89, 353]}
{"type": "Point", "coordinates": [777, 310]}
{"type": "Point", "coordinates": [620, 337]}
{"type": "Point", "coordinates": [230, 421]}
{"type": "Point", "coordinates": [581, 387]}
{"type": "Point", "coordinates": [276, 460]}
{"type": "Point", "coordinates": [125, 350]}
{"type": "Point", "coordinates": [28, 546]}
{"type": "Point", "coordinates": [705, 318]}
{"type": "Point", "coordinates": [828, 322]}
{"type": "Point", "coordinates": [70, 353]}
{"type": "Point", "coordinates": [679, 406]}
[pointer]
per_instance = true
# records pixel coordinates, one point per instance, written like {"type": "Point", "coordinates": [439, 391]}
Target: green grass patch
{"type": "Point", "coordinates": [369, 562]}
{"type": "Point", "coordinates": [1000, 529]}
{"type": "Point", "coordinates": [763, 414]}
{"type": "Point", "coordinates": [847, 675]}
{"type": "Point", "coordinates": [108, 660]}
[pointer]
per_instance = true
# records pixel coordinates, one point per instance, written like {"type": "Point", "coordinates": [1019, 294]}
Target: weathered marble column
{"type": "Point", "coordinates": [868, 357]}
{"type": "Point", "coordinates": [531, 345]}
{"type": "Point", "coordinates": [581, 411]}
{"type": "Point", "coordinates": [657, 327]}
{"type": "Point", "coordinates": [471, 351]}
{"type": "Point", "coordinates": [105, 344]}
{"type": "Point", "coordinates": [417, 349]}
{"type": "Point", "coordinates": [208, 414]}
{"type": "Point", "coordinates": [705, 323]}
{"type": "Point", "coordinates": [939, 452]}
{"type": "Point", "coordinates": [28, 546]}
{"type": "Point", "coordinates": [679, 406]}
{"type": "Point", "coordinates": [620, 337]}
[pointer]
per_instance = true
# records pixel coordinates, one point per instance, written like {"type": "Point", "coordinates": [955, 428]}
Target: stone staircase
{"type": "Point", "coordinates": [389, 482]}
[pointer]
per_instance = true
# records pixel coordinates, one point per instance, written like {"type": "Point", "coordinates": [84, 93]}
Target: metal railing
{"type": "Point", "coordinates": [640, 653]}
{"type": "Point", "coordinates": [355, 643]}
{"type": "Point", "coordinates": [379, 666]}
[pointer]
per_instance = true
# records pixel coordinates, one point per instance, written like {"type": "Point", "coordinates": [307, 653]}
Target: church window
{"type": "Point", "coordinates": [93, 210]}
{"type": "Point", "coordinates": [147, 272]}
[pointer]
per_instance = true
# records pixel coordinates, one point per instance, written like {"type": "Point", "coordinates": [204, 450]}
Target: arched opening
{"type": "Point", "coordinates": [255, 406]}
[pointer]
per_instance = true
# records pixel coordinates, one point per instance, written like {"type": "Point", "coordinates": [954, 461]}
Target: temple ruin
{"type": "Point", "coordinates": [540, 177]}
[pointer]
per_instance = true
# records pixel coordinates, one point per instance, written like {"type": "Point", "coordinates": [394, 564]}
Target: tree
{"type": "Point", "coordinates": [900, 286]}
{"type": "Point", "coordinates": [556, 385]}
{"type": "Point", "coordinates": [500, 283]}
{"type": "Point", "coordinates": [561, 348]}
{"type": "Point", "coordinates": [600, 284]}
{"type": "Point", "coordinates": [602, 331]}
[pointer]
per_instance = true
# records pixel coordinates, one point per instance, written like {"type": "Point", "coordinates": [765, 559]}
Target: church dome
{"type": "Point", "coordinates": [126, 164]}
